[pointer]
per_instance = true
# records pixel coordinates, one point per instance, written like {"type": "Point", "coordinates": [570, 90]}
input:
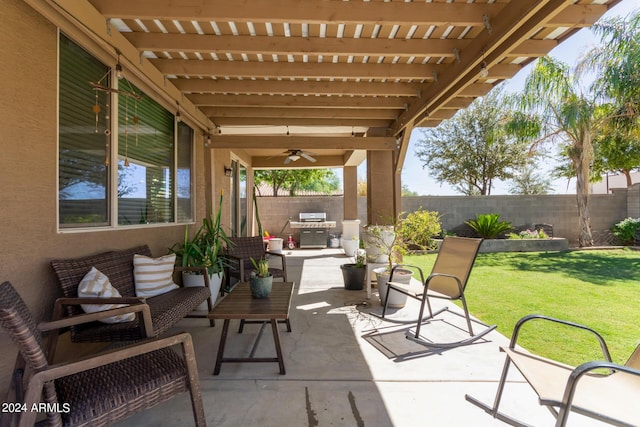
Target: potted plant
{"type": "Point", "coordinates": [261, 280]}
{"type": "Point", "coordinates": [389, 246]}
{"type": "Point", "coordinates": [354, 273]}
{"type": "Point", "coordinates": [204, 249]}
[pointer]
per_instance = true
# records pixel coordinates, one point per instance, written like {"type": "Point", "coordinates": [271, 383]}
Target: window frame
{"type": "Point", "coordinates": [112, 191]}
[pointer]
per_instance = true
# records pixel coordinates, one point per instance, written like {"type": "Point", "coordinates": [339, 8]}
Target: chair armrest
{"type": "Point", "coordinates": [278, 254]}
{"type": "Point", "coordinates": [64, 322]}
{"type": "Point", "coordinates": [577, 374]}
{"type": "Point", "coordinates": [37, 381]}
{"type": "Point", "coordinates": [525, 319]}
{"type": "Point", "coordinates": [396, 266]}
{"type": "Point", "coordinates": [100, 301]}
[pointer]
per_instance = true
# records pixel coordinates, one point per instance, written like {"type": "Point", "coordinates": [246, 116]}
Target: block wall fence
{"type": "Point", "coordinates": [561, 211]}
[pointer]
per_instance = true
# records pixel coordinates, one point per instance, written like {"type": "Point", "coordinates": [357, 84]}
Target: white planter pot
{"type": "Point", "coordinates": [374, 252]}
{"type": "Point", "coordinates": [396, 299]}
{"type": "Point", "coordinates": [215, 281]}
{"type": "Point", "coordinates": [350, 247]}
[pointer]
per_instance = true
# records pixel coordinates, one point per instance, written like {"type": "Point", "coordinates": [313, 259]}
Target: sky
{"type": "Point", "coordinates": [417, 179]}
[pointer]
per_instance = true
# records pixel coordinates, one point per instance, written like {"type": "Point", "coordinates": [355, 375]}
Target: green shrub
{"type": "Point", "coordinates": [420, 228]}
{"type": "Point", "coordinates": [626, 229]}
{"type": "Point", "coordinates": [529, 234]}
{"type": "Point", "coordinates": [489, 226]}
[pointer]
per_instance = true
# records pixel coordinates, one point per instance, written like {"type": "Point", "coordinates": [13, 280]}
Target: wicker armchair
{"type": "Point", "coordinates": [96, 390]}
{"type": "Point", "coordinates": [239, 255]}
{"type": "Point", "coordinates": [238, 259]}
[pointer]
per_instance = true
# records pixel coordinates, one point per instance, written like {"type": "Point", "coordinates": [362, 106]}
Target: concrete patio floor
{"type": "Point", "coordinates": [346, 367]}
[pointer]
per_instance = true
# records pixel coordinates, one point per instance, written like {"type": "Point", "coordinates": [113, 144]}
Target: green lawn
{"type": "Point", "coordinates": [599, 289]}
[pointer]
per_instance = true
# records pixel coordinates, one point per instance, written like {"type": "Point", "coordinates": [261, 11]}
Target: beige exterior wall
{"type": "Point", "coordinates": [28, 173]}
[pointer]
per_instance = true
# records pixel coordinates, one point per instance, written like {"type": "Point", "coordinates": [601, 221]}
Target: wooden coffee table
{"type": "Point", "coordinates": [239, 304]}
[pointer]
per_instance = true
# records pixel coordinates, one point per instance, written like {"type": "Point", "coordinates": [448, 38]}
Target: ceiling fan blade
{"type": "Point", "coordinates": [307, 156]}
{"type": "Point", "coordinates": [287, 160]}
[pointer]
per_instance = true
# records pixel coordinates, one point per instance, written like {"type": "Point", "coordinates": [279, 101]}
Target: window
{"type": "Point", "coordinates": [152, 155]}
{"type": "Point", "coordinates": [145, 159]}
{"type": "Point", "coordinates": [84, 140]}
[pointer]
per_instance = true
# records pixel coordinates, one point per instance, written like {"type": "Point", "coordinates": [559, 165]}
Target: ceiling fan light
{"type": "Point", "coordinates": [294, 157]}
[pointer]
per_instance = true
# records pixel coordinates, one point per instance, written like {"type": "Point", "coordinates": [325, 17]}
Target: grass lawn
{"type": "Point", "coordinates": [599, 289]}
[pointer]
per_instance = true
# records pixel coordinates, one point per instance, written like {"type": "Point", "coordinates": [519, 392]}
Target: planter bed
{"type": "Point", "coordinates": [524, 245]}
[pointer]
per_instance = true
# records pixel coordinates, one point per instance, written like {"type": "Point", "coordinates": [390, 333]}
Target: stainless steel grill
{"type": "Point", "coordinates": [314, 229]}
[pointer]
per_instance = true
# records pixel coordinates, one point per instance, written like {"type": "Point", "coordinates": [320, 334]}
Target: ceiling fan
{"type": "Point", "coordinates": [294, 155]}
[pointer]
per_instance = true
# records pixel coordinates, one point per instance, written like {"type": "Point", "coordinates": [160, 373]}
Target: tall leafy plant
{"type": "Point", "coordinates": [489, 226]}
{"type": "Point", "coordinates": [206, 246]}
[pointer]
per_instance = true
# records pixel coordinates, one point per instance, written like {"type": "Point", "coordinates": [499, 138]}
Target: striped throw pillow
{"type": "Point", "coordinates": [153, 276]}
{"type": "Point", "coordinates": [95, 284]}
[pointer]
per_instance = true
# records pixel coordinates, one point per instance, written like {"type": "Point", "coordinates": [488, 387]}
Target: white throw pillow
{"type": "Point", "coordinates": [95, 284]}
{"type": "Point", "coordinates": [153, 276]}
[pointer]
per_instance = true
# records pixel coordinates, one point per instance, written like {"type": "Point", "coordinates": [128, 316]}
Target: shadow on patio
{"type": "Point", "coordinates": [344, 367]}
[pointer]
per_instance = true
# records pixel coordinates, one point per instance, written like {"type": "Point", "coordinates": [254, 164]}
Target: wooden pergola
{"type": "Point", "coordinates": [345, 80]}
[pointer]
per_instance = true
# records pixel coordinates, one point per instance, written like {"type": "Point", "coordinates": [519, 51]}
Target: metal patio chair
{"type": "Point", "coordinates": [448, 280]}
{"type": "Point", "coordinates": [99, 389]}
{"type": "Point", "coordinates": [598, 389]}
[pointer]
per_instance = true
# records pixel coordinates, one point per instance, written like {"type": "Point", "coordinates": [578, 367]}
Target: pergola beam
{"type": "Point", "coordinates": [277, 162]}
{"type": "Point", "coordinates": [302, 113]}
{"type": "Point", "coordinates": [295, 87]}
{"type": "Point", "coordinates": [286, 70]}
{"type": "Point", "coordinates": [379, 143]}
{"type": "Point", "coordinates": [511, 28]}
{"type": "Point", "coordinates": [359, 102]}
{"type": "Point", "coordinates": [249, 122]}
{"type": "Point", "coordinates": [293, 11]}
{"type": "Point", "coordinates": [276, 45]}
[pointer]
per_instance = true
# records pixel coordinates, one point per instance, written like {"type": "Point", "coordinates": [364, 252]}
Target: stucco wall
{"type": "Point", "coordinates": [28, 168]}
{"type": "Point", "coordinates": [558, 210]}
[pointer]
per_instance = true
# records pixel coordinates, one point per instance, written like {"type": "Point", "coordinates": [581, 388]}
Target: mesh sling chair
{"type": "Point", "coordinates": [448, 280]}
{"type": "Point", "coordinates": [99, 389]}
{"type": "Point", "coordinates": [610, 395]}
{"type": "Point", "coordinates": [238, 259]}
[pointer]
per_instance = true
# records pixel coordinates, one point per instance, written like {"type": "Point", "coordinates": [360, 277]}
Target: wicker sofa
{"type": "Point", "coordinates": [154, 315]}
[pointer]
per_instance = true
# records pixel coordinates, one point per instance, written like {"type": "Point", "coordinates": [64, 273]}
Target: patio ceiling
{"type": "Point", "coordinates": [319, 75]}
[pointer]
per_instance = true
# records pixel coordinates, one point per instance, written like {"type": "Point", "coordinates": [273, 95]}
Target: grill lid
{"type": "Point", "coordinates": [313, 216]}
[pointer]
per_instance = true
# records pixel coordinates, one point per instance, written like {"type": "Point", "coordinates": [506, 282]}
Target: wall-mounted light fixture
{"type": "Point", "coordinates": [484, 71]}
{"type": "Point", "coordinates": [228, 172]}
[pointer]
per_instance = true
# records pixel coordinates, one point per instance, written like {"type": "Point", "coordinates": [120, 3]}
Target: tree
{"type": "Point", "coordinates": [320, 180]}
{"type": "Point", "coordinates": [406, 192]}
{"type": "Point", "coordinates": [554, 109]}
{"type": "Point", "coordinates": [471, 150]}
{"type": "Point", "coordinates": [361, 186]}
{"type": "Point", "coordinates": [526, 182]}
{"type": "Point", "coordinates": [615, 63]}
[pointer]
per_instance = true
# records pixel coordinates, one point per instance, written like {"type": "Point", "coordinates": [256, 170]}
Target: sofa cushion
{"type": "Point", "coordinates": [153, 276]}
{"type": "Point", "coordinates": [95, 284]}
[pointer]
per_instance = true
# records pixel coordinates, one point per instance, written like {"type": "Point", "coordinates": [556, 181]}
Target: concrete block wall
{"type": "Point", "coordinates": [561, 211]}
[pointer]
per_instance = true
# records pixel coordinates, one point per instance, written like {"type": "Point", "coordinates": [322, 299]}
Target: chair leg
{"type": "Point", "coordinates": [494, 410]}
{"type": "Point", "coordinates": [466, 313]}
{"type": "Point", "coordinates": [194, 383]}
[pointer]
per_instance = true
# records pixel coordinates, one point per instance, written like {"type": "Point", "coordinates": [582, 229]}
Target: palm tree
{"type": "Point", "coordinates": [553, 108]}
{"type": "Point", "coordinates": [615, 64]}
